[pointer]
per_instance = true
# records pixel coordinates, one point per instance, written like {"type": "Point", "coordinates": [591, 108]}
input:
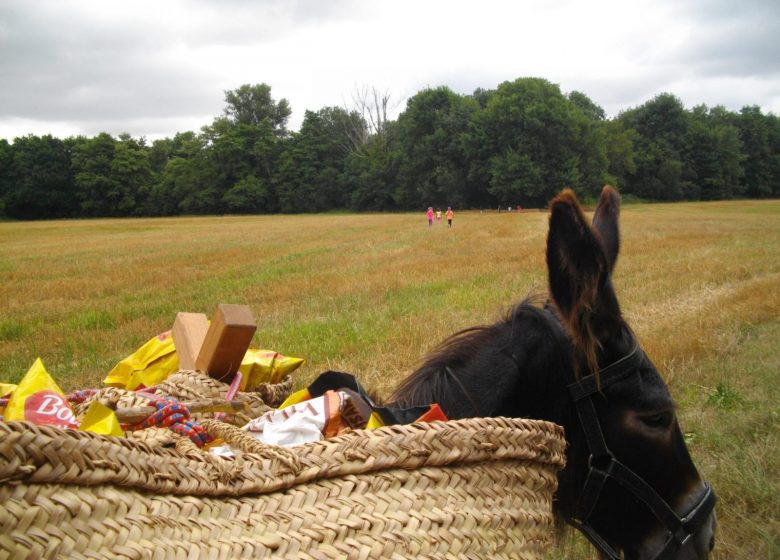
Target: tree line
{"type": "Point", "coordinates": [517, 144]}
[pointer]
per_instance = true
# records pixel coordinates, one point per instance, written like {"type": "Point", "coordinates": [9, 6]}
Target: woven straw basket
{"type": "Point", "coordinates": [478, 488]}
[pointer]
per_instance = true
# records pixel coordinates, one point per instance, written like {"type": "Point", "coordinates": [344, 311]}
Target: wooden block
{"type": "Point", "coordinates": [226, 342]}
{"type": "Point", "coordinates": [189, 332]}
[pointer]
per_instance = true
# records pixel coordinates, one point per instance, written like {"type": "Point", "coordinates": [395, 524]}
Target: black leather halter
{"type": "Point", "coordinates": [602, 465]}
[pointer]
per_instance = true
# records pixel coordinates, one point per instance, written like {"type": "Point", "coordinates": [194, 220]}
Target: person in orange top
{"type": "Point", "coordinates": [449, 216]}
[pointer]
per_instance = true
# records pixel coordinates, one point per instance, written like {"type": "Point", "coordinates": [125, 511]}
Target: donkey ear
{"type": "Point", "coordinates": [576, 261]}
{"type": "Point", "coordinates": [605, 222]}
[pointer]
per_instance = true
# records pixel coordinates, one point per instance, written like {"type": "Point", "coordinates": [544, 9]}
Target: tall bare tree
{"type": "Point", "coordinates": [373, 107]}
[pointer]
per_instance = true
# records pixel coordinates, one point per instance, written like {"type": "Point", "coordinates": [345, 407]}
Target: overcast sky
{"type": "Point", "coordinates": [155, 68]}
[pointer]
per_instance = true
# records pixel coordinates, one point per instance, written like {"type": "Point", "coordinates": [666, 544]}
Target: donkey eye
{"type": "Point", "coordinates": [660, 420]}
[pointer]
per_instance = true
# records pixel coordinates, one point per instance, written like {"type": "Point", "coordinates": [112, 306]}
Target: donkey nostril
{"type": "Point", "coordinates": [712, 542]}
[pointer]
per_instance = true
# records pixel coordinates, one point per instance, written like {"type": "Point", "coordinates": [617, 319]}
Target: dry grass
{"type": "Point", "coordinates": [371, 294]}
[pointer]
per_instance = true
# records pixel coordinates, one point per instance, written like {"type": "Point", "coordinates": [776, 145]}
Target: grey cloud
{"type": "Point", "coordinates": [740, 49]}
{"type": "Point", "coordinates": [68, 66]}
{"type": "Point", "coordinates": [731, 39]}
{"type": "Point", "coordinates": [707, 12]}
{"type": "Point", "coordinates": [69, 70]}
{"type": "Point", "coordinates": [84, 63]}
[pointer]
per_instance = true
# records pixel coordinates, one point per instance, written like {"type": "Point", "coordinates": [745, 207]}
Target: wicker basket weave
{"type": "Point", "coordinates": [478, 488]}
{"type": "Point", "coordinates": [193, 385]}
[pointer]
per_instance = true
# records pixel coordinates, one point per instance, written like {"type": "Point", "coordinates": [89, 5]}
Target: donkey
{"type": "Point", "coordinates": [629, 484]}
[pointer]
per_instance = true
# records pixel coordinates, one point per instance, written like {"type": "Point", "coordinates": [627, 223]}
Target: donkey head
{"type": "Point", "coordinates": [633, 484]}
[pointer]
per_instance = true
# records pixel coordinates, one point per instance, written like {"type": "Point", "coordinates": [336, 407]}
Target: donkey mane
{"type": "Point", "coordinates": [456, 358]}
{"type": "Point", "coordinates": [435, 377]}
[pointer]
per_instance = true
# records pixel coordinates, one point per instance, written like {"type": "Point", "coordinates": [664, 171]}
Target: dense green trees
{"type": "Point", "coordinates": [527, 132]}
{"type": "Point", "coordinates": [431, 139]}
{"type": "Point", "coordinates": [310, 174]}
{"type": "Point", "coordinates": [37, 178]}
{"type": "Point", "coordinates": [713, 155]}
{"type": "Point", "coordinates": [761, 148]}
{"type": "Point", "coordinates": [661, 127]}
{"type": "Point", "coordinates": [516, 144]}
{"type": "Point", "coordinates": [111, 176]}
{"type": "Point", "coordinates": [253, 104]}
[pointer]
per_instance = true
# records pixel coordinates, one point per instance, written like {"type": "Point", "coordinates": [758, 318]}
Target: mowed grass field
{"type": "Point", "coordinates": [371, 294]}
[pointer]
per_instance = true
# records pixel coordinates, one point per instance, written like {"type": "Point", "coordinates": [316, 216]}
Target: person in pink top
{"type": "Point", "coordinates": [430, 216]}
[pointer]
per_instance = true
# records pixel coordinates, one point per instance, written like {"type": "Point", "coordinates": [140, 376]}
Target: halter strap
{"type": "Point", "coordinates": [603, 465]}
{"type": "Point", "coordinates": [605, 377]}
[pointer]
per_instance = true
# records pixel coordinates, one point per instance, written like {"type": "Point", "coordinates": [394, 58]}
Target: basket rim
{"type": "Point", "coordinates": [35, 454]}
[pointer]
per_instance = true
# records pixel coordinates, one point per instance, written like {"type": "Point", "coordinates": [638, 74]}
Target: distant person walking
{"type": "Point", "coordinates": [449, 216]}
{"type": "Point", "coordinates": [430, 216]}
{"type": "Point", "coordinates": [438, 214]}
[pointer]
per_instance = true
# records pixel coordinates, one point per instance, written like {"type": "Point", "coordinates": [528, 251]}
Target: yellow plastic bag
{"type": "Point", "coordinates": [6, 389]}
{"type": "Point", "coordinates": [153, 362]}
{"type": "Point", "coordinates": [100, 419]}
{"type": "Point", "coordinates": [147, 366]}
{"type": "Point", "coordinates": [297, 397]}
{"type": "Point", "coordinates": [40, 400]}
{"type": "Point", "coordinates": [265, 366]}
